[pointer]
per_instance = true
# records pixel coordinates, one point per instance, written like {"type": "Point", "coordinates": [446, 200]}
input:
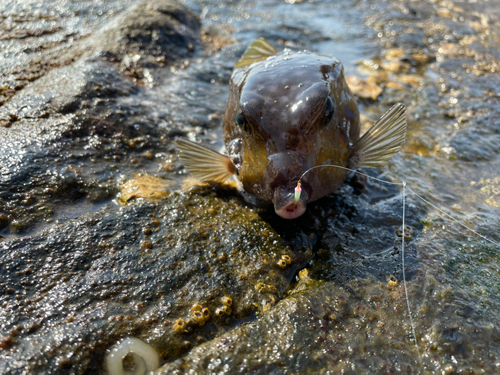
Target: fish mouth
{"type": "Point", "coordinates": [285, 204]}
{"type": "Point", "coordinates": [292, 210]}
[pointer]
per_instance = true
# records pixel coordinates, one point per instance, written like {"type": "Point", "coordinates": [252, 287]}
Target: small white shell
{"type": "Point", "coordinates": [145, 357]}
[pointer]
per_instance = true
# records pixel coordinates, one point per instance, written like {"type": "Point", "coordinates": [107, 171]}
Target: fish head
{"type": "Point", "coordinates": [289, 113]}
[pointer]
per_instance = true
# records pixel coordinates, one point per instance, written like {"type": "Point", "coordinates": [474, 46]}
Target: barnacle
{"type": "Point", "coordinates": [198, 317]}
{"type": "Point", "coordinates": [260, 286]}
{"type": "Point", "coordinates": [196, 307]}
{"type": "Point", "coordinates": [147, 244]}
{"type": "Point", "coordinates": [407, 231]}
{"type": "Point", "coordinates": [180, 326]}
{"type": "Point", "coordinates": [269, 302]}
{"type": "Point", "coordinates": [392, 281]}
{"type": "Point", "coordinates": [287, 259]}
{"type": "Point", "coordinates": [223, 310]}
{"type": "Point", "coordinates": [205, 313]}
{"type": "Point", "coordinates": [226, 301]}
{"type": "Point", "coordinates": [264, 288]}
{"type": "Point", "coordinates": [282, 263]}
{"type": "Point", "coordinates": [219, 312]}
{"type": "Point", "coordinates": [304, 275]}
{"type": "Point", "coordinates": [201, 314]}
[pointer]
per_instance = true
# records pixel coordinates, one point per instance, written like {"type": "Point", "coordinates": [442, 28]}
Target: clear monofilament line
{"type": "Point", "coordinates": [455, 220]}
{"type": "Point", "coordinates": [350, 170]}
{"type": "Point", "coordinates": [403, 184]}
{"type": "Point", "coordinates": [404, 272]}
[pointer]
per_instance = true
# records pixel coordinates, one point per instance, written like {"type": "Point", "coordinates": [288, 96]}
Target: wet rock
{"type": "Point", "coordinates": [62, 90]}
{"type": "Point", "coordinates": [35, 36]}
{"type": "Point", "coordinates": [85, 284]}
{"type": "Point", "coordinates": [73, 111]}
{"type": "Point", "coordinates": [146, 35]}
{"type": "Point", "coordinates": [356, 218]}
{"type": "Point", "coordinates": [40, 38]}
{"type": "Point", "coordinates": [323, 327]}
{"type": "Point", "coordinates": [313, 330]}
{"type": "Point", "coordinates": [363, 89]}
{"type": "Point", "coordinates": [165, 270]}
{"type": "Point", "coordinates": [470, 144]}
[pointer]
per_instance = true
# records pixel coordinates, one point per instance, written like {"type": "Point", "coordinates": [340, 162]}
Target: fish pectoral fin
{"type": "Point", "coordinates": [205, 165]}
{"type": "Point", "coordinates": [260, 49]}
{"type": "Point", "coordinates": [379, 144]}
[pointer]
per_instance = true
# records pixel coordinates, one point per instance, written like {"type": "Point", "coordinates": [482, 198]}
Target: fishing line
{"type": "Point", "coordinates": [298, 191]}
{"type": "Point", "coordinates": [404, 274]}
{"type": "Point", "coordinates": [455, 220]}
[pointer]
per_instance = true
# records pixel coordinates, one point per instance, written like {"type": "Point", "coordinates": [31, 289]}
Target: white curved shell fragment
{"type": "Point", "coordinates": [145, 357]}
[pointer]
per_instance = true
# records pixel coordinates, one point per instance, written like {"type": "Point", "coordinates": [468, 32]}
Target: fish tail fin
{"type": "Point", "coordinates": [205, 165]}
{"type": "Point", "coordinates": [379, 144]}
{"type": "Point", "coordinates": [260, 49]}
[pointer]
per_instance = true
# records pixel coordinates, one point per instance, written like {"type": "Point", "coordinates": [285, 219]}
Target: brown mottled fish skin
{"type": "Point", "coordinates": [287, 128]}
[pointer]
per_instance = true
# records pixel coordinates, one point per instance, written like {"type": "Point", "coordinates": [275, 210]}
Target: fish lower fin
{"type": "Point", "coordinates": [260, 49]}
{"type": "Point", "coordinates": [379, 144]}
{"type": "Point", "coordinates": [205, 164]}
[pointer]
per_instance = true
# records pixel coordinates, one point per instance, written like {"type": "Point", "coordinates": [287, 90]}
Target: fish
{"type": "Point", "coordinates": [289, 116]}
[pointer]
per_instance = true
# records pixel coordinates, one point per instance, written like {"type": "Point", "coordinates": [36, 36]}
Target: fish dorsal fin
{"type": "Point", "coordinates": [205, 165]}
{"type": "Point", "coordinates": [379, 144]}
{"type": "Point", "coordinates": [260, 49]}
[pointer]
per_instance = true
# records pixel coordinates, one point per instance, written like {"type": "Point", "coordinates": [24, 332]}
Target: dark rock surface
{"type": "Point", "coordinates": [316, 329]}
{"type": "Point", "coordinates": [74, 112]}
{"type": "Point", "coordinates": [92, 94]}
{"type": "Point", "coordinates": [78, 287]}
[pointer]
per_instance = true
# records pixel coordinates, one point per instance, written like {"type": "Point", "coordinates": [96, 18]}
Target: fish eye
{"type": "Point", "coordinates": [240, 120]}
{"type": "Point", "coordinates": [329, 110]}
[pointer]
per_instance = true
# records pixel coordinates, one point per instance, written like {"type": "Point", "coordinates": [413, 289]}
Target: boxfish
{"type": "Point", "coordinates": [290, 116]}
